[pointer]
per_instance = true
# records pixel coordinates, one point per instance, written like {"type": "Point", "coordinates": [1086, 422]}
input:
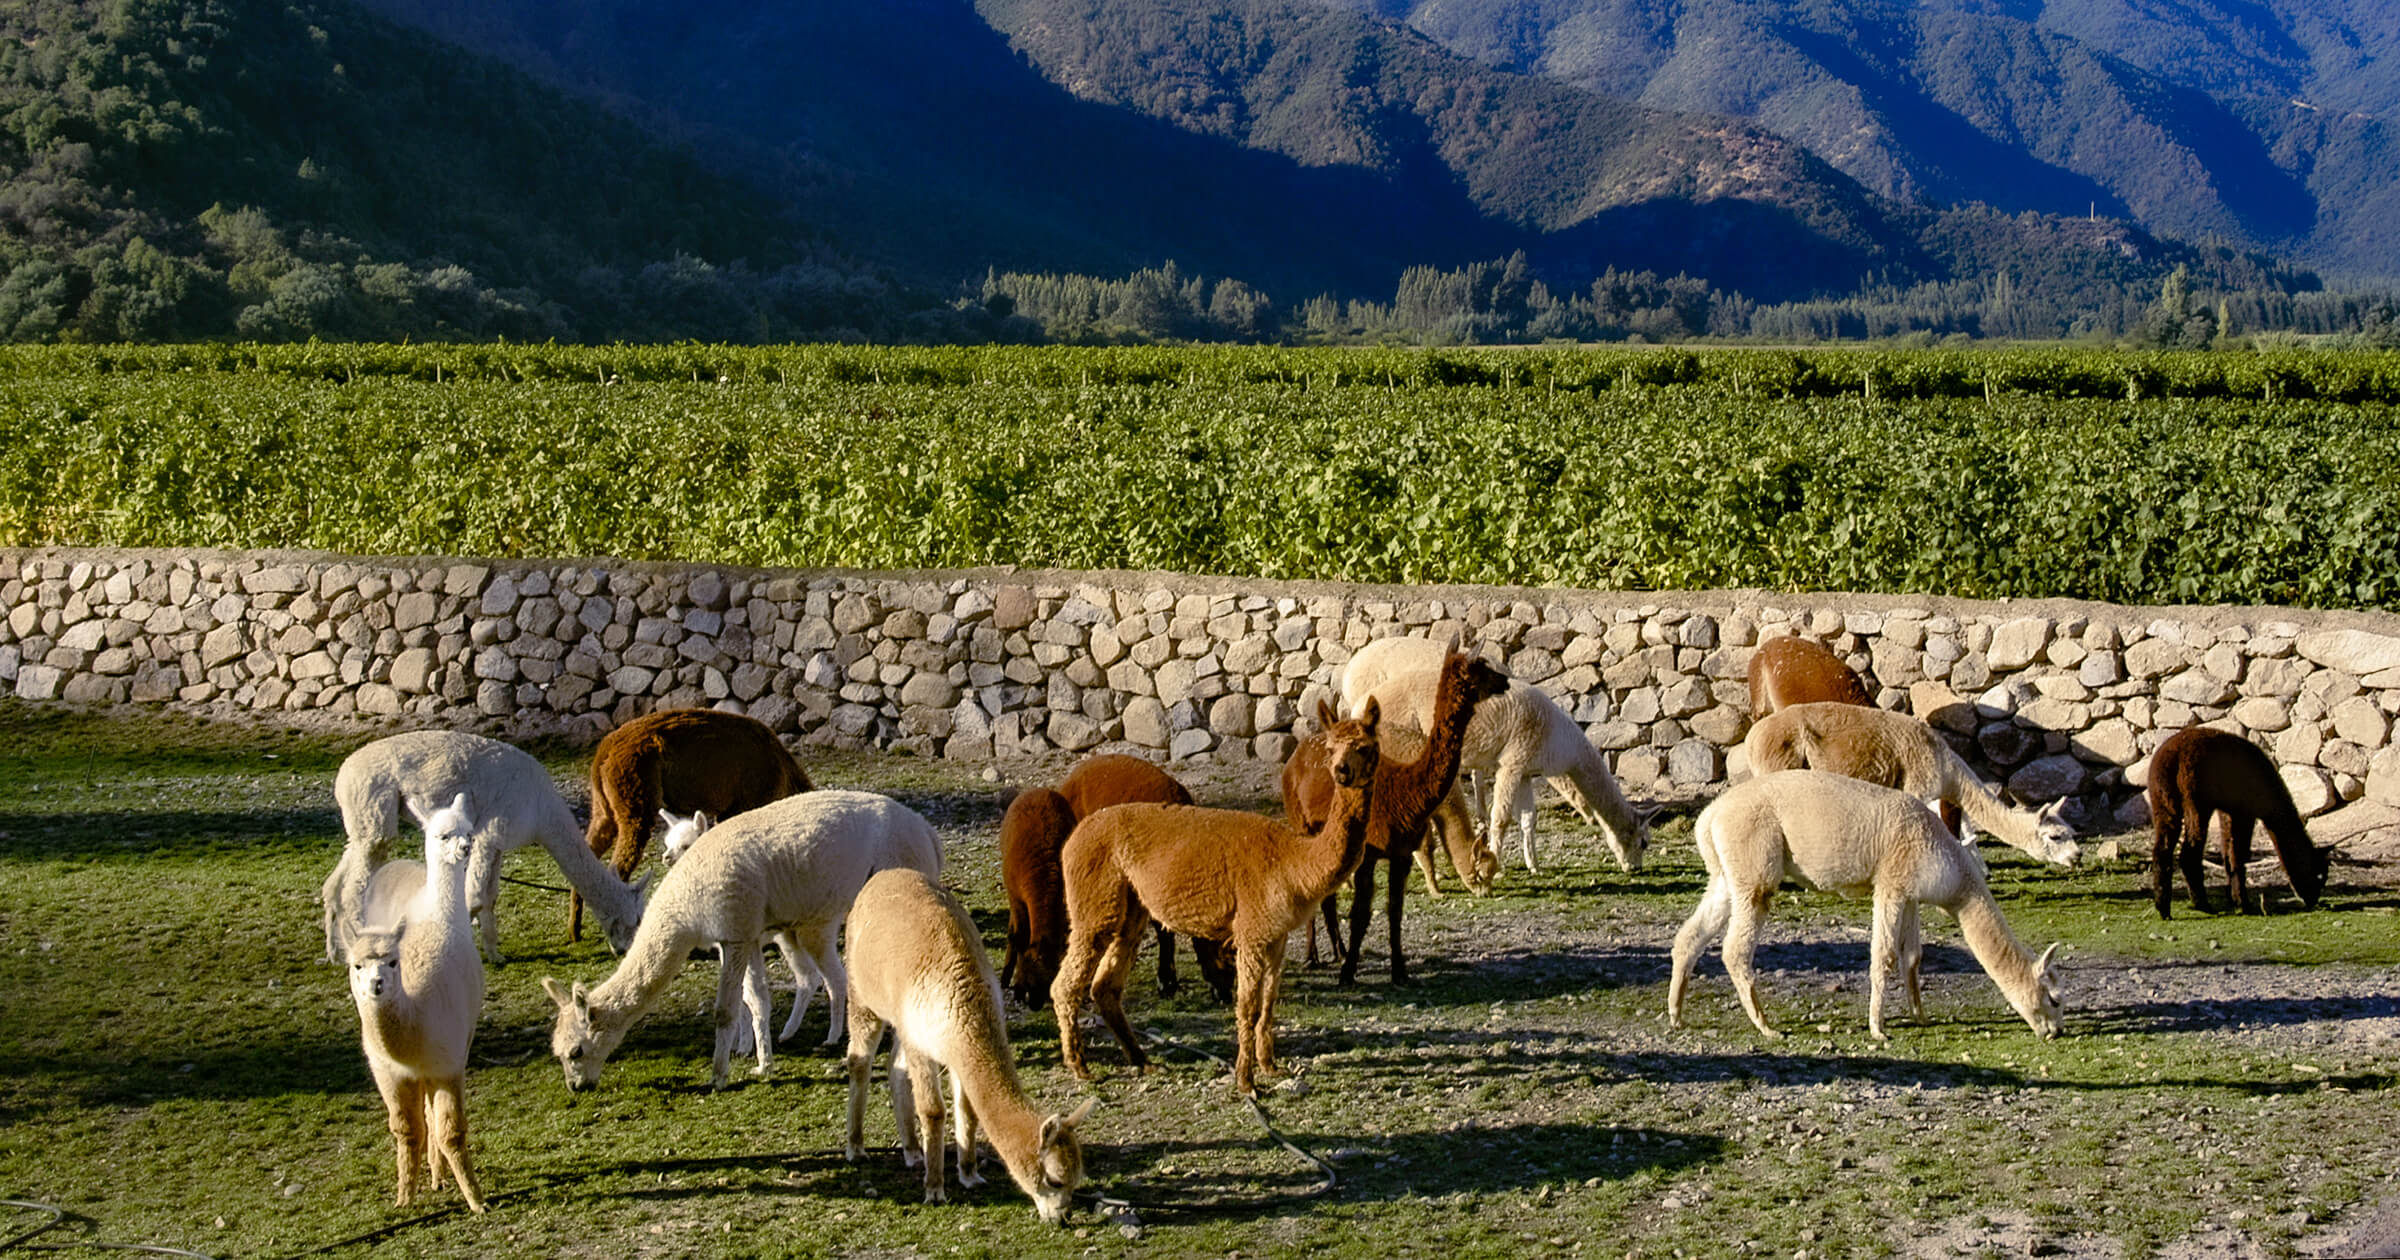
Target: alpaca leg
{"type": "Point", "coordinates": [866, 1033]}
{"type": "Point", "coordinates": [1362, 907]}
{"type": "Point", "coordinates": [1020, 935]}
{"type": "Point", "coordinates": [807, 980]}
{"type": "Point", "coordinates": [1395, 890]}
{"type": "Point", "coordinates": [1513, 801]}
{"type": "Point", "coordinates": [970, 1158]}
{"type": "Point", "coordinates": [1108, 989]}
{"type": "Point", "coordinates": [2166, 830]}
{"type": "Point", "coordinates": [1424, 864]}
{"type": "Point", "coordinates": [2191, 853]}
{"type": "Point", "coordinates": [1263, 1036]}
{"type": "Point", "coordinates": [1067, 990]}
{"type": "Point", "coordinates": [2238, 830]}
{"type": "Point", "coordinates": [758, 1007]}
{"type": "Point", "coordinates": [450, 1139]}
{"type": "Point", "coordinates": [1168, 981]}
{"type": "Point", "coordinates": [824, 954]}
{"type": "Point", "coordinates": [1707, 920]}
{"type": "Point", "coordinates": [1333, 930]}
{"type": "Point", "coordinates": [1911, 944]}
{"type": "Point", "coordinates": [733, 978]}
{"type": "Point", "coordinates": [1249, 993]}
{"type": "Point", "coordinates": [1883, 955]}
{"type": "Point", "coordinates": [404, 1115]}
{"type": "Point", "coordinates": [1741, 941]}
{"type": "Point", "coordinates": [925, 1081]}
{"type": "Point", "coordinates": [483, 884]}
{"type": "Point", "coordinates": [901, 1079]}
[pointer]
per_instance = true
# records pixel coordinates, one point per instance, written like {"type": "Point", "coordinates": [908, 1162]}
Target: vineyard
{"type": "Point", "coordinates": [2136, 478]}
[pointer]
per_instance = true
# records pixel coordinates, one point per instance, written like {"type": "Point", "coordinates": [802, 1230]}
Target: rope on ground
{"type": "Point", "coordinates": [527, 883]}
{"type": "Point", "coordinates": [1324, 1187]}
{"type": "Point", "coordinates": [21, 1241]}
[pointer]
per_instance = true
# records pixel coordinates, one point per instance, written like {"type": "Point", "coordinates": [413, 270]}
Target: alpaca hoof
{"type": "Point", "coordinates": [912, 1159]}
{"type": "Point", "coordinates": [971, 1180]}
{"type": "Point", "coordinates": [1403, 980]}
{"type": "Point", "coordinates": [935, 1194]}
{"type": "Point", "coordinates": [852, 1151]}
{"type": "Point", "coordinates": [1770, 1034]}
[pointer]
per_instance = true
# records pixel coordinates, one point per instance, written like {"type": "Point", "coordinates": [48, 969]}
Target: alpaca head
{"type": "Point", "coordinates": [1058, 1165]}
{"type": "Point", "coordinates": [619, 931]}
{"type": "Point", "coordinates": [580, 1047]}
{"type": "Point", "coordinates": [449, 832]}
{"type": "Point", "coordinates": [1350, 747]}
{"type": "Point", "coordinates": [1483, 679]}
{"type": "Point", "coordinates": [1630, 849]}
{"type": "Point", "coordinates": [2042, 1010]}
{"type": "Point", "coordinates": [374, 966]}
{"type": "Point", "coordinates": [683, 831]}
{"type": "Point", "coordinates": [2056, 835]}
{"type": "Point", "coordinates": [2309, 880]}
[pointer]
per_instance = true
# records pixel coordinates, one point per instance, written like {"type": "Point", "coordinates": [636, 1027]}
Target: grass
{"type": "Point", "coordinates": [179, 1067]}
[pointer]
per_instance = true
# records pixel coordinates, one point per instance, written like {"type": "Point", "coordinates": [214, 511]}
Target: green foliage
{"type": "Point", "coordinates": [2150, 478]}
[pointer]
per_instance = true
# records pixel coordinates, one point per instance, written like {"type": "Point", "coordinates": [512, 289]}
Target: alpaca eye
{"type": "Point", "coordinates": [575, 1053]}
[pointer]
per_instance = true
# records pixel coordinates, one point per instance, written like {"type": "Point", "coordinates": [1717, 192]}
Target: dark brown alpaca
{"type": "Point", "coordinates": [1215, 873]}
{"type": "Point", "coordinates": [2199, 772]}
{"type": "Point", "coordinates": [1033, 831]}
{"type": "Point", "coordinates": [686, 760]}
{"type": "Point", "coordinates": [1405, 797]}
{"type": "Point", "coordinates": [1786, 671]}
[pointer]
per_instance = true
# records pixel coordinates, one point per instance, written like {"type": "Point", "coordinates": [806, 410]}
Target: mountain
{"type": "Point", "coordinates": [2266, 126]}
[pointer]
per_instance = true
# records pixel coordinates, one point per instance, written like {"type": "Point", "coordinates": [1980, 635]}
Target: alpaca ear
{"type": "Point", "coordinates": [703, 821]}
{"type": "Point", "coordinates": [1078, 1115]}
{"type": "Point", "coordinates": [1370, 713]}
{"type": "Point", "coordinates": [669, 819]}
{"type": "Point", "coordinates": [559, 993]}
{"type": "Point", "coordinates": [1326, 717]}
{"type": "Point", "coordinates": [2041, 966]}
{"type": "Point", "coordinates": [581, 995]}
{"type": "Point", "coordinates": [413, 811]}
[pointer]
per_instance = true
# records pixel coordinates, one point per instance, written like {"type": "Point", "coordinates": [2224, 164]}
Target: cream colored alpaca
{"type": "Point", "coordinates": [793, 866]}
{"type": "Point", "coordinates": [511, 796]}
{"type": "Point", "coordinates": [418, 985]}
{"type": "Point", "coordinates": [1899, 751]}
{"type": "Point", "coordinates": [683, 831]}
{"type": "Point", "coordinates": [1518, 737]}
{"type": "Point", "coordinates": [916, 963]}
{"type": "Point", "coordinates": [1829, 831]}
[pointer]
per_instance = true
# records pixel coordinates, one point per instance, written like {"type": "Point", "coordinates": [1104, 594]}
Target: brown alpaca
{"type": "Point", "coordinates": [687, 760]}
{"type": "Point", "coordinates": [2199, 772]}
{"type": "Point", "coordinates": [1033, 831]}
{"type": "Point", "coordinates": [1786, 671]}
{"type": "Point", "coordinates": [1215, 873]}
{"type": "Point", "coordinates": [1405, 796]}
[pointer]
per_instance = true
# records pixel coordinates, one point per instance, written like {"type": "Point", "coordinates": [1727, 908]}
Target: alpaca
{"type": "Point", "coordinates": [691, 760]}
{"type": "Point", "coordinates": [514, 801]}
{"type": "Point", "coordinates": [1519, 736]}
{"type": "Point", "coordinates": [2199, 772]}
{"type": "Point", "coordinates": [1830, 831]}
{"type": "Point", "coordinates": [1033, 831]}
{"type": "Point", "coordinates": [418, 985]}
{"type": "Point", "coordinates": [1787, 670]}
{"type": "Point", "coordinates": [916, 962]}
{"type": "Point", "coordinates": [1221, 874]}
{"type": "Point", "coordinates": [682, 832]}
{"type": "Point", "coordinates": [792, 866]}
{"type": "Point", "coordinates": [1899, 751]}
{"type": "Point", "coordinates": [1406, 795]}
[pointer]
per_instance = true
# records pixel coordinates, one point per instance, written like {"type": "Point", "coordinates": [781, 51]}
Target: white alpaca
{"type": "Point", "coordinates": [1899, 751]}
{"type": "Point", "coordinates": [1518, 737]}
{"type": "Point", "coordinates": [685, 830]}
{"type": "Point", "coordinates": [418, 985]}
{"type": "Point", "coordinates": [793, 866]}
{"type": "Point", "coordinates": [916, 962]}
{"type": "Point", "coordinates": [511, 796]}
{"type": "Point", "coordinates": [1830, 831]}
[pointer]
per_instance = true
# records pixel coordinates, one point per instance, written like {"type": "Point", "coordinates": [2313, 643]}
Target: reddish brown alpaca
{"type": "Point", "coordinates": [2200, 771]}
{"type": "Point", "coordinates": [686, 760]}
{"type": "Point", "coordinates": [1033, 831]}
{"type": "Point", "coordinates": [1786, 671]}
{"type": "Point", "coordinates": [1214, 873]}
{"type": "Point", "coordinates": [1405, 797]}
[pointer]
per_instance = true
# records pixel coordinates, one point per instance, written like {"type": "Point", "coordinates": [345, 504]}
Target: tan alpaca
{"type": "Point", "coordinates": [916, 962]}
{"type": "Point", "coordinates": [418, 984]}
{"type": "Point", "coordinates": [1829, 831]}
{"type": "Point", "coordinates": [1517, 737]}
{"type": "Point", "coordinates": [1221, 874]}
{"type": "Point", "coordinates": [1899, 751]}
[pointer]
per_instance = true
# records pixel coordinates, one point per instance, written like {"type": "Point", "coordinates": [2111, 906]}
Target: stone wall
{"type": "Point", "coordinates": [2059, 699]}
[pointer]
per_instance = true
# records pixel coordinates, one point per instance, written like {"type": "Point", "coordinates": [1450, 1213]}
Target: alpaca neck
{"type": "Point", "coordinates": [1340, 844]}
{"type": "Point", "coordinates": [1008, 1118]}
{"type": "Point", "coordinates": [611, 898]}
{"type": "Point", "coordinates": [2017, 829]}
{"type": "Point", "coordinates": [2005, 958]}
{"type": "Point", "coordinates": [1597, 792]}
{"type": "Point", "coordinates": [1408, 792]}
{"type": "Point", "coordinates": [658, 954]}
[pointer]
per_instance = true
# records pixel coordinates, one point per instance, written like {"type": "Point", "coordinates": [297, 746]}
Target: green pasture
{"type": "Point", "coordinates": [178, 1066]}
{"type": "Point", "coordinates": [2134, 478]}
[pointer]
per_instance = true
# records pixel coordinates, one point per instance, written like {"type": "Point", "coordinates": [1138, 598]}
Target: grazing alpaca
{"type": "Point", "coordinates": [418, 985]}
{"type": "Point", "coordinates": [1221, 874]}
{"type": "Point", "coordinates": [1785, 671]}
{"type": "Point", "coordinates": [1899, 751]}
{"type": "Point", "coordinates": [792, 866]}
{"type": "Point", "coordinates": [1405, 797]}
{"type": "Point", "coordinates": [1033, 831]}
{"type": "Point", "coordinates": [1830, 831]}
{"type": "Point", "coordinates": [685, 830]}
{"type": "Point", "coordinates": [689, 760]}
{"type": "Point", "coordinates": [512, 798]}
{"type": "Point", "coordinates": [2199, 772]}
{"type": "Point", "coordinates": [1519, 736]}
{"type": "Point", "coordinates": [916, 962]}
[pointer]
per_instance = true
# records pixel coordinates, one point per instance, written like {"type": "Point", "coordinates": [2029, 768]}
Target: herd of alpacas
{"type": "Point", "coordinates": [1842, 796]}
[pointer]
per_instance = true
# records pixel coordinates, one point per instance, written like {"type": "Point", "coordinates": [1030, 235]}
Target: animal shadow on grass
{"type": "Point", "coordinates": [136, 1075]}
{"type": "Point", "coordinates": [2216, 1015]}
{"type": "Point", "coordinates": [1160, 1182]}
{"type": "Point", "coordinates": [164, 833]}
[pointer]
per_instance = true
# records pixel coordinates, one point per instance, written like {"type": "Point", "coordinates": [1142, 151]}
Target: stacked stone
{"type": "Point", "coordinates": [998, 664]}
